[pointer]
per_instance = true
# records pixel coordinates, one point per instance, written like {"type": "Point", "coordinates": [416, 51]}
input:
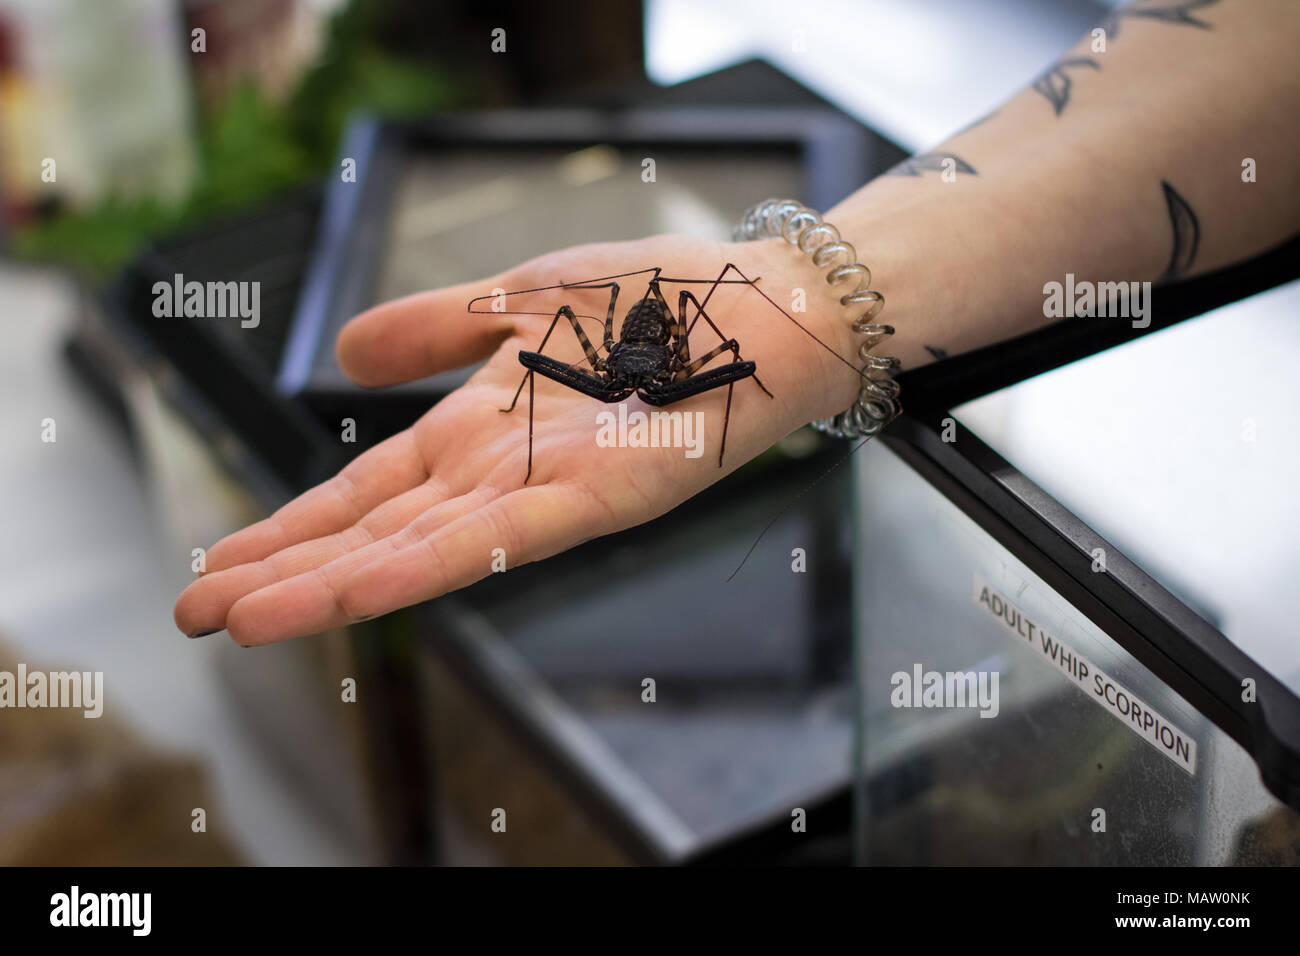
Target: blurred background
{"type": "Point", "coordinates": [341, 152]}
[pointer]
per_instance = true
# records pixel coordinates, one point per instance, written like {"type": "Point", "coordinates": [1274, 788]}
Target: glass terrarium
{"type": "Point", "coordinates": [1074, 621]}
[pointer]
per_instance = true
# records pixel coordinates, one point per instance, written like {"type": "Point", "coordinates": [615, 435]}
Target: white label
{"type": "Point", "coordinates": [1178, 746]}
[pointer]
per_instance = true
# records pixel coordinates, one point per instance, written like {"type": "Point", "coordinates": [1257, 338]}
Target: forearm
{"type": "Point", "coordinates": [1128, 169]}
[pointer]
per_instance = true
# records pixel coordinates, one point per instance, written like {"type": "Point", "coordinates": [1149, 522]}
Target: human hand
{"type": "Point", "coordinates": [421, 513]}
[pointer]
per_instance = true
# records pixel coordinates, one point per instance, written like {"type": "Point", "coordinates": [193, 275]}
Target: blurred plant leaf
{"type": "Point", "coordinates": [251, 148]}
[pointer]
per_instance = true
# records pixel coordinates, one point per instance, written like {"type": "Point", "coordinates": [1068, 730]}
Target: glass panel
{"type": "Point", "coordinates": [751, 696]}
{"type": "Point", "coordinates": [1079, 735]}
{"type": "Point", "coordinates": [1185, 464]}
{"type": "Point", "coordinates": [461, 214]}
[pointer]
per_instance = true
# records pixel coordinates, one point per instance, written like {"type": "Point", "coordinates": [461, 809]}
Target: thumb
{"type": "Point", "coordinates": [420, 335]}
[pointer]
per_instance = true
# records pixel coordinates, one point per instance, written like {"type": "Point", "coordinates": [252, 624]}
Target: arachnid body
{"type": "Point", "coordinates": [651, 356]}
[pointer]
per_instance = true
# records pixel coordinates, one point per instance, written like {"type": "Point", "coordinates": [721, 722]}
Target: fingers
{"type": "Point", "coordinates": [392, 467]}
{"type": "Point", "coordinates": [429, 558]}
{"type": "Point", "coordinates": [204, 605]}
{"type": "Point", "coordinates": [420, 335]}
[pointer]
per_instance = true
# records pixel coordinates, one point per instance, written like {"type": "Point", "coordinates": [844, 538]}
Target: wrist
{"type": "Point", "coordinates": [962, 265]}
{"type": "Point", "coordinates": [797, 286]}
{"type": "Point", "coordinates": [893, 244]}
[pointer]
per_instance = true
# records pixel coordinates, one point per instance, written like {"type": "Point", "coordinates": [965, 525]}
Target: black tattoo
{"type": "Point", "coordinates": [937, 352]}
{"type": "Point", "coordinates": [928, 162]}
{"type": "Point", "coordinates": [1187, 233]}
{"type": "Point", "coordinates": [1056, 84]}
{"type": "Point", "coordinates": [1169, 11]}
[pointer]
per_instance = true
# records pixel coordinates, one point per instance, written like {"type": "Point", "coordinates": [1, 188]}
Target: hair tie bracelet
{"type": "Point", "coordinates": [877, 404]}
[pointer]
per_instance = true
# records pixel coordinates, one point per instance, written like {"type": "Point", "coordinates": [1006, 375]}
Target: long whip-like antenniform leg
{"type": "Point", "coordinates": [753, 283]}
{"type": "Point", "coordinates": [684, 329]}
{"type": "Point", "coordinates": [569, 285]}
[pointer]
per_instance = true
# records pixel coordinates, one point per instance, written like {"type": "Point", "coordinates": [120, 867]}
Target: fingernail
{"type": "Point", "coordinates": [215, 630]}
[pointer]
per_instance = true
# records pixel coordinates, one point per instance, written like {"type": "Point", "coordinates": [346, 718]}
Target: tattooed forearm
{"type": "Point", "coordinates": [928, 162]}
{"type": "Point", "coordinates": [1163, 11]}
{"type": "Point", "coordinates": [1056, 84]}
{"type": "Point", "coordinates": [1187, 233]}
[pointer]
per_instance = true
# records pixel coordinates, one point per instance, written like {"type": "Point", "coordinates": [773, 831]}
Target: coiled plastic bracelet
{"type": "Point", "coordinates": [877, 404]}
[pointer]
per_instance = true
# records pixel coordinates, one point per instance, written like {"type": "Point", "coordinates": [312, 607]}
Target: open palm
{"type": "Point", "coordinates": [428, 510]}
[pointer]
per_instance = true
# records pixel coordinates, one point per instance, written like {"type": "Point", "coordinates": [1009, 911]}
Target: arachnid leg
{"type": "Point", "coordinates": [753, 283]}
{"type": "Point", "coordinates": [683, 350]}
{"type": "Point", "coordinates": [677, 332]}
{"type": "Point", "coordinates": [728, 345]}
{"type": "Point", "coordinates": [495, 310]}
{"type": "Point", "coordinates": [574, 377]}
{"type": "Point", "coordinates": [559, 285]}
{"type": "Point", "coordinates": [565, 374]}
{"type": "Point", "coordinates": [727, 375]}
{"type": "Point", "coordinates": [713, 287]}
{"type": "Point", "coordinates": [587, 347]}
{"type": "Point", "coordinates": [703, 382]}
{"type": "Point", "coordinates": [609, 316]}
{"type": "Point", "coordinates": [562, 372]}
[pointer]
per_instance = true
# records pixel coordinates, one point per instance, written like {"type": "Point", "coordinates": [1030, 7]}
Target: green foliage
{"type": "Point", "coordinates": [96, 242]}
{"type": "Point", "coordinates": [246, 153]}
{"type": "Point", "coordinates": [354, 74]}
{"type": "Point", "coordinates": [251, 148]}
